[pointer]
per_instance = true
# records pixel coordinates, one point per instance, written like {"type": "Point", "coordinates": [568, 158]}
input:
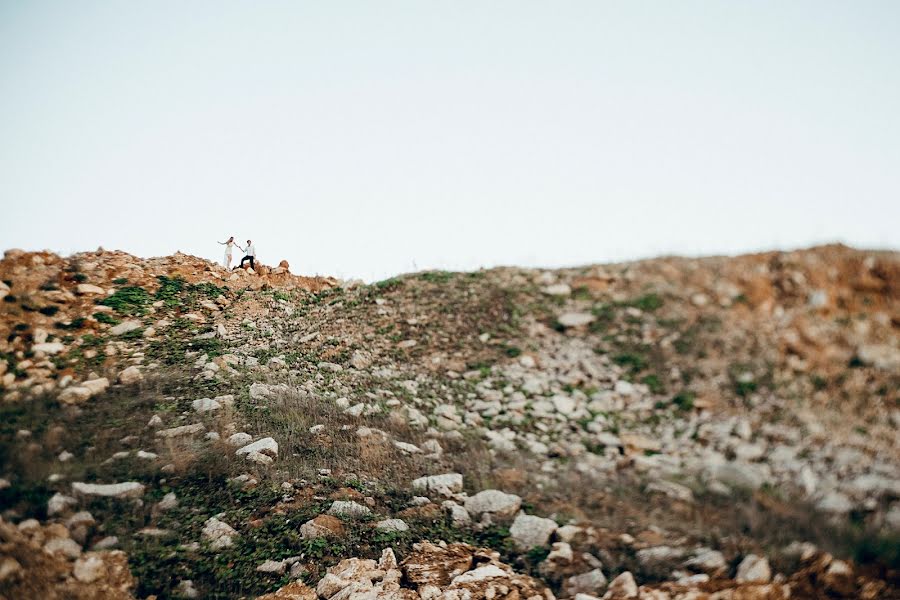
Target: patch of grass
{"type": "Point", "coordinates": [169, 289]}
{"type": "Point", "coordinates": [76, 323]}
{"type": "Point", "coordinates": [653, 382]}
{"type": "Point", "coordinates": [744, 388]}
{"type": "Point", "coordinates": [512, 351]}
{"type": "Point", "coordinates": [134, 334]}
{"type": "Point", "coordinates": [120, 281]}
{"type": "Point", "coordinates": [106, 318]}
{"type": "Point", "coordinates": [80, 277]}
{"type": "Point", "coordinates": [387, 285]}
{"type": "Point", "coordinates": [684, 400]}
{"type": "Point", "coordinates": [436, 276]}
{"type": "Point", "coordinates": [634, 362]}
{"type": "Point", "coordinates": [129, 300]}
{"type": "Point", "coordinates": [647, 302]}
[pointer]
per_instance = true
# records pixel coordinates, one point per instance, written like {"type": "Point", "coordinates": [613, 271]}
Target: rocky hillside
{"type": "Point", "coordinates": [721, 428]}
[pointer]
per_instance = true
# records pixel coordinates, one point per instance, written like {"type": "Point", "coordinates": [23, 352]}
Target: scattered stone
{"type": "Point", "coordinates": [754, 569]}
{"type": "Point", "coordinates": [528, 531]}
{"type": "Point", "coordinates": [322, 526]}
{"type": "Point", "coordinates": [392, 525]}
{"type": "Point", "coordinates": [59, 504]}
{"type": "Point", "coordinates": [274, 567]}
{"type": "Point", "coordinates": [130, 375]}
{"type": "Point", "coordinates": [267, 447]}
{"type": "Point", "coordinates": [124, 327]}
{"type": "Point", "coordinates": [576, 319]}
{"type": "Point", "coordinates": [219, 534]}
{"type": "Point", "coordinates": [446, 484]}
{"type": "Point", "coordinates": [89, 568]}
{"type": "Point", "coordinates": [127, 489]}
{"type": "Point", "coordinates": [182, 430]}
{"type": "Point", "coordinates": [348, 508]}
{"type": "Point", "coordinates": [495, 502]}
{"type": "Point", "coordinates": [203, 405]}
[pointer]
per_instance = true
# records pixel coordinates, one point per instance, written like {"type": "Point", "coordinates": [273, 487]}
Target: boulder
{"type": "Point", "coordinates": [322, 526]}
{"type": "Point", "coordinates": [218, 533]}
{"type": "Point", "coordinates": [348, 508]}
{"type": "Point", "coordinates": [446, 484]}
{"type": "Point", "coordinates": [496, 503]}
{"type": "Point", "coordinates": [130, 375]}
{"type": "Point", "coordinates": [126, 489]}
{"type": "Point", "coordinates": [124, 327]}
{"type": "Point", "coordinates": [754, 569]}
{"type": "Point", "coordinates": [575, 319]}
{"type": "Point", "coordinates": [182, 430]}
{"type": "Point", "coordinates": [392, 525]}
{"type": "Point", "coordinates": [529, 531]}
{"type": "Point", "coordinates": [267, 446]}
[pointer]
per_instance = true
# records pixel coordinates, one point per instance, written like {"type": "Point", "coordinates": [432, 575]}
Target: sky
{"type": "Point", "coordinates": [366, 139]}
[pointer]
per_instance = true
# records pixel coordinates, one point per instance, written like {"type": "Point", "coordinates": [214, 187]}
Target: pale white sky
{"type": "Point", "coordinates": [363, 139]}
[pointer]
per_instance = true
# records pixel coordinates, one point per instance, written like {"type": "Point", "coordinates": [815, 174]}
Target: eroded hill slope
{"type": "Point", "coordinates": [722, 427]}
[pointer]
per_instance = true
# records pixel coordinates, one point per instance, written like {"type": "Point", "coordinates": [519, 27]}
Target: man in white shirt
{"type": "Point", "coordinates": [249, 254]}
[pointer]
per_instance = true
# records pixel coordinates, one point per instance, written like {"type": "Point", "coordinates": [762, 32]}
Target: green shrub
{"type": "Point", "coordinates": [130, 300]}
{"type": "Point", "coordinates": [106, 318]}
{"type": "Point", "coordinates": [647, 302]}
{"type": "Point", "coordinates": [653, 382]}
{"type": "Point", "coordinates": [634, 362]}
{"type": "Point", "coordinates": [436, 276]}
{"type": "Point", "coordinates": [684, 400]}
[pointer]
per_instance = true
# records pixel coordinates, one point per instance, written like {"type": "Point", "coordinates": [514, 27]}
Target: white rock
{"type": "Point", "coordinates": [396, 525]}
{"type": "Point", "coordinates": [202, 405]}
{"type": "Point", "coordinates": [126, 489]}
{"type": "Point", "coordinates": [528, 531]}
{"type": "Point", "coordinates": [124, 327]}
{"type": "Point", "coordinates": [277, 567]}
{"type": "Point", "coordinates": [106, 543]}
{"type": "Point", "coordinates": [458, 514]}
{"type": "Point", "coordinates": [50, 348]}
{"type": "Point", "coordinates": [622, 587]}
{"type": "Point", "coordinates": [592, 582]}
{"type": "Point", "coordinates": [575, 319]}
{"type": "Point", "coordinates": [89, 568]}
{"type": "Point", "coordinates": [239, 439]}
{"type": "Point", "coordinates": [267, 446]}
{"type": "Point", "coordinates": [218, 533]}
{"type": "Point", "coordinates": [59, 503]}
{"type": "Point", "coordinates": [74, 395]}
{"type": "Point", "coordinates": [557, 289]}
{"type": "Point", "coordinates": [182, 430]}
{"type": "Point", "coordinates": [259, 458]}
{"type": "Point", "coordinates": [445, 484]}
{"type": "Point", "coordinates": [348, 508]}
{"type": "Point", "coordinates": [407, 448]}
{"type": "Point", "coordinates": [65, 546]}
{"type": "Point", "coordinates": [754, 568]}
{"type": "Point", "coordinates": [130, 375]}
{"type": "Point", "coordinates": [83, 289]}
{"type": "Point", "coordinates": [495, 502]}
{"type": "Point", "coordinates": [168, 502]}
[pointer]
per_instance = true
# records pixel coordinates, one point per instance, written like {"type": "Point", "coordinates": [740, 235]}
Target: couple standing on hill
{"type": "Point", "coordinates": [249, 253]}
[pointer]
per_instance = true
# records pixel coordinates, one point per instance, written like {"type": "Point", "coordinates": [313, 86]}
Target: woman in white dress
{"type": "Point", "coordinates": [228, 246]}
